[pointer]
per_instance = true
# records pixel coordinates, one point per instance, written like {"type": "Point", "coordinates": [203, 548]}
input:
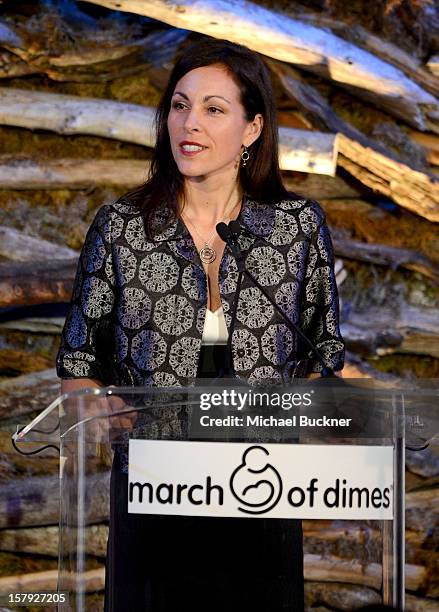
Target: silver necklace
{"type": "Point", "coordinates": [207, 253]}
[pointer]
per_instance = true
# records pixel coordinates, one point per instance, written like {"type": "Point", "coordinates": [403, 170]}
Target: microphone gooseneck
{"type": "Point", "coordinates": [226, 234]}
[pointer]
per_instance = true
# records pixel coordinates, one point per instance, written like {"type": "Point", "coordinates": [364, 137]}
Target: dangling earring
{"type": "Point", "coordinates": [245, 156]}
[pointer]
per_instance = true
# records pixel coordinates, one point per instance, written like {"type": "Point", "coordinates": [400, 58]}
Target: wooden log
{"type": "Point", "coordinates": [355, 218]}
{"type": "Point", "coordinates": [14, 361]}
{"type": "Point", "coordinates": [360, 540]}
{"type": "Point", "coordinates": [365, 159]}
{"type": "Point", "coordinates": [320, 186]}
{"type": "Point", "coordinates": [356, 367]}
{"type": "Point", "coordinates": [334, 569]}
{"type": "Point", "coordinates": [422, 509]}
{"type": "Point", "coordinates": [27, 394]}
{"type": "Point", "coordinates": [394, 257]}
{"type": "Point", "coordinates": [381, 331]}
{"type": "Point", "coordinates": [19, 246]}
{"type": "Point", "coordinates": [12, 66]}
{"type": "Point", "coordinates": [299, 150]}
{"type": "Point", "coordinates": [34, 502]}
{"type": "Point", "coordinates": [37, 539]}
{"type": "Point", "coordinates": [290, 40]}
{"type": "Point", "coordinates": [411, 189]}
{"type": "Point", "coordinates": [91, 580]}
{"type": "Point", "coordinates": [73, 173]}
{"type": "Point", "coordinates": [339, 596]}
{"type": "Point", "coordinates": [306, 151]}
{"type": "Point", "coordinates": [344, 539]}
{"type": "Point", "coordinates": [409, 63]}
{"type": "Point", "coordinates": [35, 325]}
{"type": "Point", "coordinates": [39, 282]}
{"type": "Point", "coordinates": [120, 51]}
{"type": "Point", "coordinates": [424, 463]}
{"type": "Point", "coordinates": [76, 115]}
{"type": "Point", "coordinates": [14, 465]}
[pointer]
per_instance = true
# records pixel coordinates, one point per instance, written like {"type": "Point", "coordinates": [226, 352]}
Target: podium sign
{"type": "Point", "coordinates": [260, 481]}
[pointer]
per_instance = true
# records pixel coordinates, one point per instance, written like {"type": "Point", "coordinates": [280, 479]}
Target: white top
{"type": "Point", "coordinates": [215, 328]}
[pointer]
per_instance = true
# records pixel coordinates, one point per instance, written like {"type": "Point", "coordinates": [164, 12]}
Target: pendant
{"type": "Point", "coordinates": [207, 254]}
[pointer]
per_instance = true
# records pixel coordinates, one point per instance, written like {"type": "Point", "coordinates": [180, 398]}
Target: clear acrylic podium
{"type": "Point", "coordinates": [313, 432]}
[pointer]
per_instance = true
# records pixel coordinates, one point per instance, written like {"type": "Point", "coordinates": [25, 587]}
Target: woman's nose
{"type": "Point", "coordinates": [192, 119]}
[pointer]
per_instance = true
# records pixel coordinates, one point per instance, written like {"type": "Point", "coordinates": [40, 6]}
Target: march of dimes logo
{"type": "Point", "coordinates": [260, 480]}
{"type": "Point", "coordinates": [256, 484]}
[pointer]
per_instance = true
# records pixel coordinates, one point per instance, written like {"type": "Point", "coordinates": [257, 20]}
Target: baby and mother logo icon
{"type": "Point", "coordinates": [255, 483]}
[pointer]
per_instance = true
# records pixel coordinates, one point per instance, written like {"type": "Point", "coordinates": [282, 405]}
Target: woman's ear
{"type": "Point", "coordinates": [254, 129]}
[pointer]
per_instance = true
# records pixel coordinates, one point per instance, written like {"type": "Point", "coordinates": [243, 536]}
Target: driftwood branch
{"type": "Point", "coordinates": [18, 246]}
{"type": "Point", "coordinates": [412, 330]}
{"type": "Point", "coordinates": [91, 580]}
{"type": "Point", "coordinates": [320, 186]}
{"type": "Point", "coordinates": [75, 115]}
{"type": "Point", "coordinates": [37, 539]}
{"type": "Point", "coordinates": [311, 48]}
{"type": "Point", "coordinates": [22, 395]}
{"type": "Point", "coordinates": [40, 282]}
{"type": "Point", "coordinates": [88, 54]}
{"type": "Point", "coordinates": [339, 596]}
{"type": "Point", "coordinates": [408, 63]}
{"type": "Point", "coordinates": [383, 255]}
{"type": "Point", "coordinates": [414, 190]}
{"type": "Point", "coordinates": [335, 569]}
{"type": "Point", "coordinates": [365, 159]}
{"type": "Point", "coordinates": [34, 502]}
{"type": "Point", "coordinates": [72, 173]}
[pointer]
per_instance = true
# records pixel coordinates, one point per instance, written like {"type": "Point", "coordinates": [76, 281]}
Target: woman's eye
{"type": "Point", "coordinates": [179, 105]}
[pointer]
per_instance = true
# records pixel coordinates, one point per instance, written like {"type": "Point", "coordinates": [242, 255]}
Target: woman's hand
{"type": "Point", "coordinates": [103, 428]}
{"type": "Point", "coordinates": [313, 375]}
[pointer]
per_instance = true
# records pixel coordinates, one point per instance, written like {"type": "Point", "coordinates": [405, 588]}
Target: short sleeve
{"type": "Point", "coordinates": [85, 349]}
{"type": "Point", "coordinates": [319, 319]}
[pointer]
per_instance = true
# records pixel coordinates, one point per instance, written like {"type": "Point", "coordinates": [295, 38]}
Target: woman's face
{"type": "Point", "coordinates": [205, 109]}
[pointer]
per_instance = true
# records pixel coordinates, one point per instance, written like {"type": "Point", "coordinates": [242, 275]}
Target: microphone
{"type": "Point", "coordinates": [235, 228]}
{"type": "Point", "coordinates": [230, 234]}
{"type": "Point", "coordinates": [223, 231]}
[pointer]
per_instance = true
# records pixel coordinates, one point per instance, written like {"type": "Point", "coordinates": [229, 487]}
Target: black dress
{"type": "Point", "coordinates": [173, 563]}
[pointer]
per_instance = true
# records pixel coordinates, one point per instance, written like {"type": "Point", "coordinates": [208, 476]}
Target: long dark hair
{"type": "Point", "coordinates": [260, 178]}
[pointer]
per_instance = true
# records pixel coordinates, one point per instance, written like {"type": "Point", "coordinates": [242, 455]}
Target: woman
{"type": "Point", "coordinates": [152, 305]}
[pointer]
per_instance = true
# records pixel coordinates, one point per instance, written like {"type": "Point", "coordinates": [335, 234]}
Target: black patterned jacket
{"type": "Point", "coordinates": [138, 306]}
